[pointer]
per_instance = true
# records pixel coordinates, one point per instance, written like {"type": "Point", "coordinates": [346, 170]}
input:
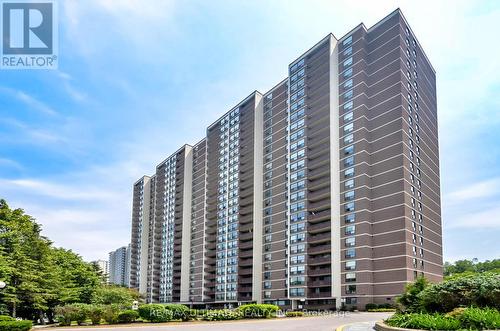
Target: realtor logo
{"type": "Point", "coordinates": [29, 32]}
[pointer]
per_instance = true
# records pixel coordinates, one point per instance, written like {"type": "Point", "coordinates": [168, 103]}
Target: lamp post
{"type": "Point", "coordinates": [2, 285]}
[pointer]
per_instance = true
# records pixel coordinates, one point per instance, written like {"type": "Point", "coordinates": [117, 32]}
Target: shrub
{"type": "Point", "coordinates": [258, 310]}
{"type": "Point", "coordinates": [381, 310]}
{"type": "Point", "coordinates": [80, 313]}
{"type": "Point", "coordinates": [294, 314]}
{"type": "Point", "coordinates": [480, 319]}
{"type": "Point", "coordinates": [370, 306]}
{"type": "Point", "coordinates": [455, 313]}
{"type": "Point", "coordinates": [6, 318]}
{"type": "Point", "coordinates": [155, 313]}
{"type": "Point", "coordinates": [386, 306]}
{"type": "Point", "coordinates": [110, 314]}
{"type": "Point", "coordinates": [480, 290]}
{"type": "Point", "coordinates": [424, 321]}
{"type": "Point", "coordinates": [410, 300]}
{"type": "Point", "coordinates": [221, 315]}
{"type": "Point", "coordinates": [128, 316]}
{"type": "Point", "coordinates": [95, 313]}
{"type": "Point", "coordinates": [179, 312]}
{"type": "Point", "coordinates": [66, 314]}
{"type": "Point", "coordinates": [6, 325]}
{"type": "Point", "coordinates": [113, 294]}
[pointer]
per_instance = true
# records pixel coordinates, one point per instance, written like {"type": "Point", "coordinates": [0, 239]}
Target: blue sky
{"type": "Point", "coordinates": [137, 79]}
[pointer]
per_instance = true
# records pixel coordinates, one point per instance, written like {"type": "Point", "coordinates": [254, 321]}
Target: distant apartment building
{"type": "Point", "coordinates": [323, 191]}
{"type": "Point", "coordinates": [103, 267]}
{"type": "Point", "coordinates": [119, 262]}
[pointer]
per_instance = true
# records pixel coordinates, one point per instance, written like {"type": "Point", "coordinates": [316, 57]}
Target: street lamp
{"type": "Point", "coordinates": [2, 285]}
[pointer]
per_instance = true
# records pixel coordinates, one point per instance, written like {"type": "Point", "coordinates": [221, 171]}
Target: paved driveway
{"type": "Point", "coordinates": [320, 323]}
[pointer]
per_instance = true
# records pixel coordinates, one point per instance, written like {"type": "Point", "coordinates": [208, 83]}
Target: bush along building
{"type": "Point", "coordinates": [322, 192]}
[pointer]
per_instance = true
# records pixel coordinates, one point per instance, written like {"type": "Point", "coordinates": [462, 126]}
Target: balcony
{"type": "Point", "coordinates": [245, 272]}
{"type": "Point", "coordinates": [319, 227]}
{"type": "Point", "coordinates": [319, 272]}
{"type": "Point", "coordinates": [319, 216]}
{"type": "Point", "coordinates": [319, 249]}
{"type": "Point", "coordinates": [319, 260]}
{"type": "Point", "coordinates": [314, 295]}
{"type": "Point", "coordinates": [320, 283]}
{"type": "Point", "coordinates": [246, 236]}
{"type": "Point", "coordinates": [318, 238]}
{"type": "Point", "coordinates": [319, 205]}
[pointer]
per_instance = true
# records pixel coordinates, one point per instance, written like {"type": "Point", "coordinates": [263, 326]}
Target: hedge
{"type": "Point", "coordinates": [424, 321]}
{"type": "Point", "coordinates": [294, 314]}
{"type": "Point", "coordinates": [6, 325]}
{"type": "Point", "coordinates": [128, 316]}
{"type": "Point", "coordinates": [381, 310]}
{"type": "Point", "coordinates": [258, 310]}
{"type": "Point", "coordinates": [221, 315]}
{"type": "Point", "coordinates": [6, 318]}
{"type": "Point", "coordinates": [465, 318]}
{"type": "Point", "coordinates": [96, 313]}
{"type": "Point", "coordinates": [155, 313]}
{"type": "Point", "coordinates": [110, 313]}
{"type": "Point", "coordinates": [480, 290]}
{"type": "Point", "coordinates": [179, 312]}
{"type": "Point", "coordinates": [480, 319]}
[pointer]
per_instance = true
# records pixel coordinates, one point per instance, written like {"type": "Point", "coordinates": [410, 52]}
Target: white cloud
{"type": "Point", "coordinates": [484, 189]}
{"type": "Point", "coordinates": [4, 162]}
{"type": "Point", "coordinates": [30, 101]}
{"type": "Point", "coordinates": [485, 219]}
{"type": "Point", "coordinates": [53, 190]}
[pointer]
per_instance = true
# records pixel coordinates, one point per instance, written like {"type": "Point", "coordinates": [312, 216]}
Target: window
{"type": "Point", "coordinates": [349, 183]}
{"type": "Point", "coordinates": [348, 73]}
{"type": "Point", "coordinates": [350, 277]}
{"type": "Point", "coordinates": [348, 139]}
{"type": "Point", "coordinates": [349, 150]}
{"type": "Point", "coordinates": [349, 218]}
{"type": "Point", "coordinates": [350, 253]}
{"type": "Point", "coordinates": [350, 265]}
{"type": "Point", "coordinates": [349, 206]}
{"type": "Point", "coordinates": [348, 105]}
{"type": "Point", "coordinates": [297, 280]}
{"type": "Point", "coordinates": [348, 196]}
{"type": "Point", "coordinates": [347, 41]}
{"type": "Point", "coordinates": [347, 51]}
{"type": "Point", "coordinates": [350, 242]}
{"type": "Point", "coordinates": [348, 95]}
{"type": "Point", "coordinates": [349, 161]}
{"type": "Point", "coordinates": [350, 289]}
{"type": "Point", "coordinates": [350, 229]}
{"type": "Point", "coordinates": [348, 117]}
{"type": "Point", "coordinates": [348, 128]}
{"type": "Point", "coordinates": [297, 292]}
{"type": "Point", "coordinates": [351, 301]}
{"type": "Point", "coordinates": [348, 62]}
{"type": "Point", "coordinates": [349, 172]}
{"type": "Point", "coordinates": [348, 84]}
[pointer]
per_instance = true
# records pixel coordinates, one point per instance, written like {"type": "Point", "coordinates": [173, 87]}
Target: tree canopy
{"type": "Point", "coordinates": [39, 276]}
{"type": "Point", "coordinates": [471, 266]}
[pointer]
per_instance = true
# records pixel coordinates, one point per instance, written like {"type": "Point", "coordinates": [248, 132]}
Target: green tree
{"type": "Point", "coordinates": [39, 277]}
{"type": "Point", "coordinates": [113, 294]}
{"type": "Point", "coordinates": [409, 300]}
{"type": "Point", "coordinates": [471, 266]}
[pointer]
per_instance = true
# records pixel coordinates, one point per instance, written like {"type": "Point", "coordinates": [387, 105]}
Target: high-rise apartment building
{"type": "Point", "coordinates": [322, 192]}
{"type": "Point", "coordinates": [119, 266]}
{"type": "Point", "coordinates": [103, 266]}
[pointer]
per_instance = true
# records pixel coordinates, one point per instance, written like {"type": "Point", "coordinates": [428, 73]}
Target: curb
{"type": "Point", "coordinates": [340, 328]}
